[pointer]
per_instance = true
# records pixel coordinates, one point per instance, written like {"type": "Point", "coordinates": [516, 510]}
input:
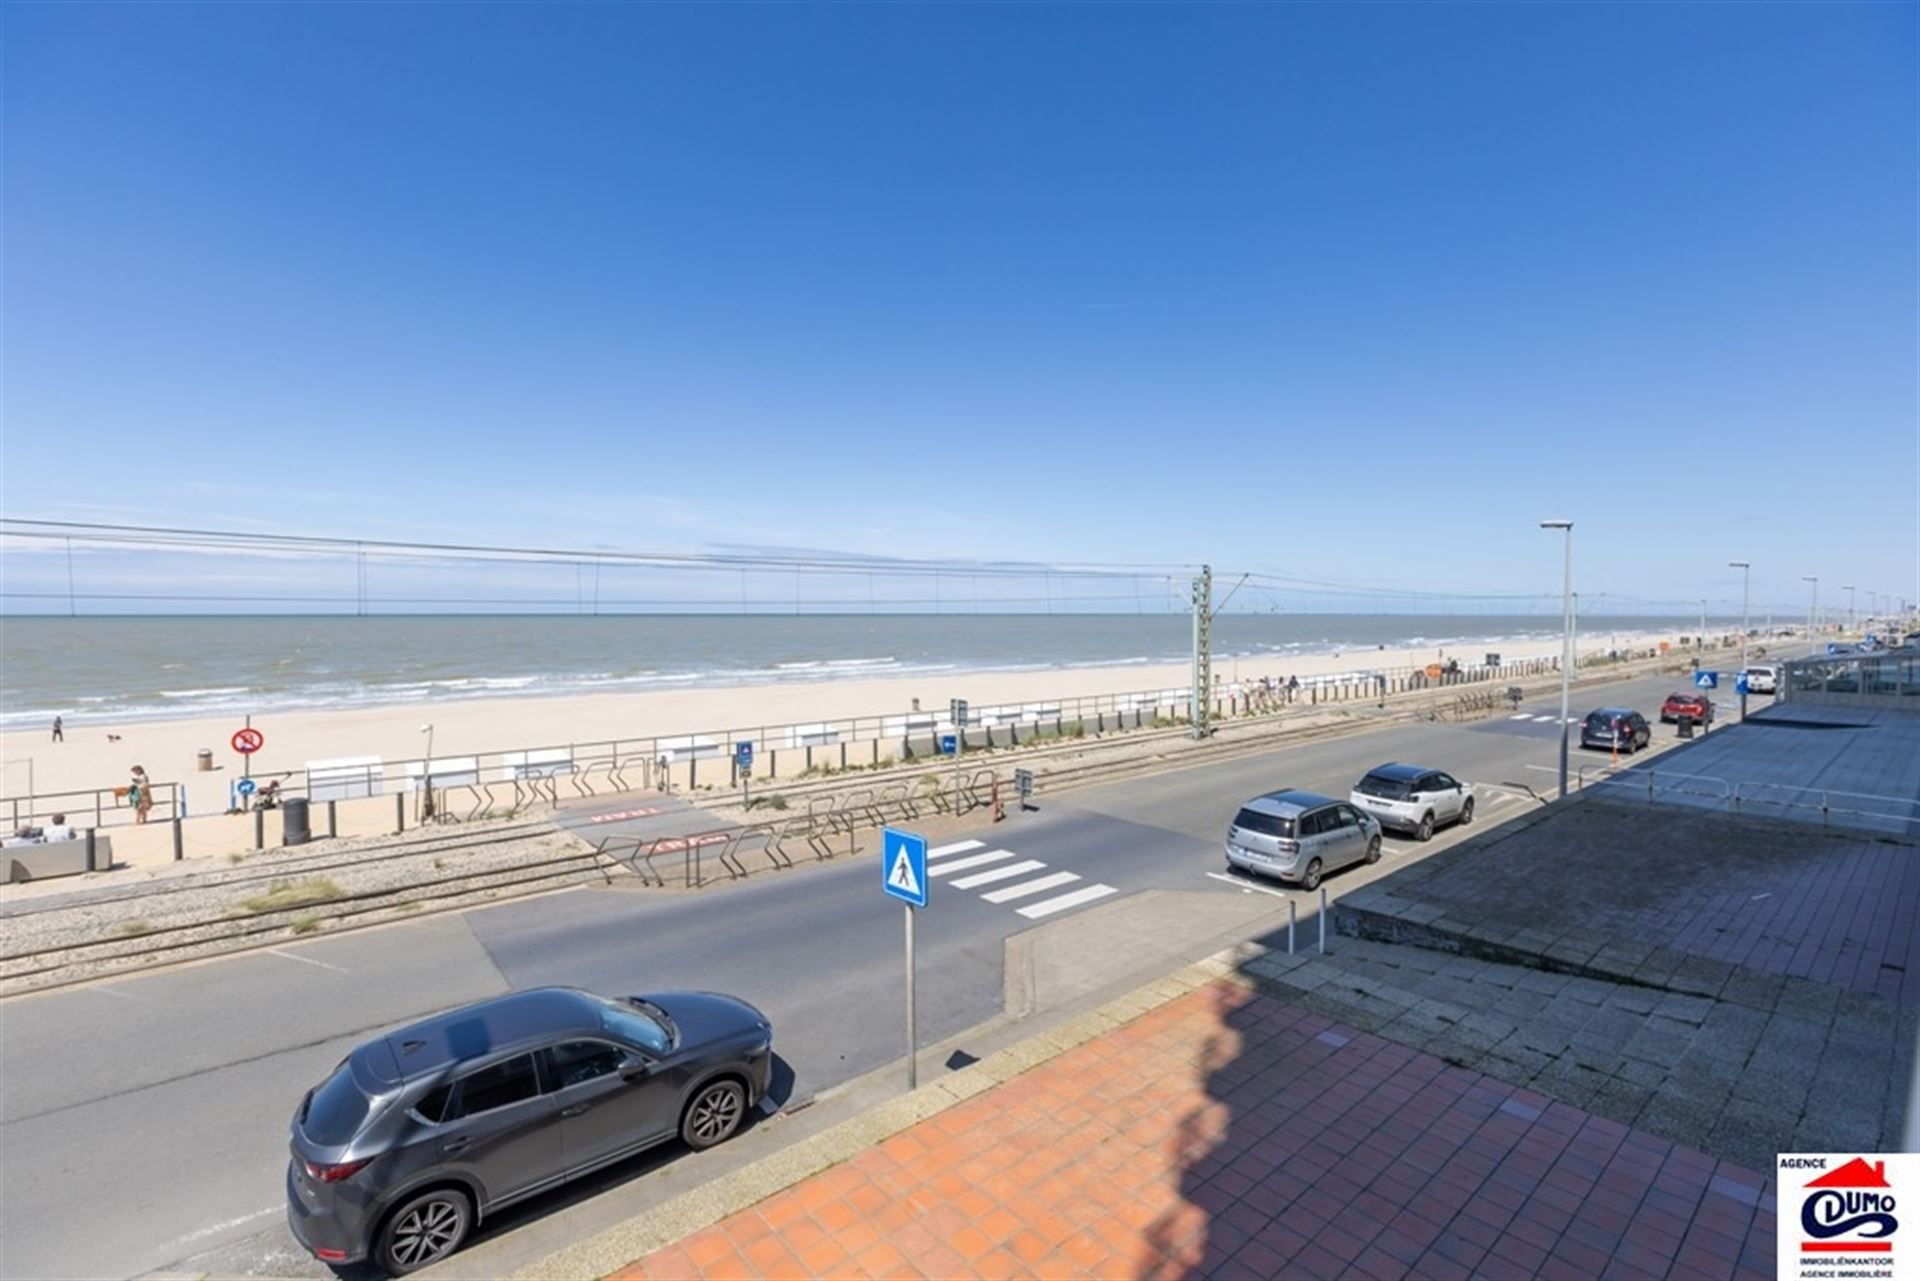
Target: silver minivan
{"type": "Point", "coordinates": [1299, 837]}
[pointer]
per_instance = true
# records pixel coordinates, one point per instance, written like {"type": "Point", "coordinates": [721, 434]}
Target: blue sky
{"type": "Point", "coordinates": [1359, 292]}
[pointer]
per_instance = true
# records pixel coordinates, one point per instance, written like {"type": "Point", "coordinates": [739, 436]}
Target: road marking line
{"type": "Point", "coordinates": [997, 874]}
{"type": "Point", "coordinates": [193, 1236]}
{"type": "Point", "coordinates": [1047, 907]}
{"type": "Point", "coordinates": [305, 960]}
{"type": "Point", "coordinates": [1245, 885]}
{"type": "Point", "coordinates": [958, 847]}
{"type": "Point", "coordinates": [1521, 716]}
{"type": "Point", "coordinates": [1031, 887]}
{"type": "Point", "coordinates": [971, 860]}
{"type": "Point", "coordinates": [107, 991]}
{"type": "Point", "coordinates": [1546, 719]}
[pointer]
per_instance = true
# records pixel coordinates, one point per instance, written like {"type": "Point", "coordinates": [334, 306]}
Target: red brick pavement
{"type": "Point", "coordinates": [1232, 1134]}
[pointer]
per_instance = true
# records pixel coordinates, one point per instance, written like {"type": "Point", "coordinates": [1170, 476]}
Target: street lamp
{"type": "Point", "coordinates": [1813, 606]}
{"type": "Point", "coordinates": [1853, 619]}
{"type": "Point", "coordinates": [1746, 573]}
{"type": "Point", "coordinates": [1566, 642]}
{"type": "Point", "coordinates": [427, 770]}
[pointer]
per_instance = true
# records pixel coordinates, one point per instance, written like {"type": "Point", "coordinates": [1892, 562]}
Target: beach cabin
{"type": "Point", "coordinates": [690, 747]}
{"type": "Point", "coordinates": [542, 762]}
{"type": "Point", "coordinates": [812, 735]}
{"type": "Point", "coordinates": [345, 779]}
{"type": "Point", "coordinates": [446, 771]}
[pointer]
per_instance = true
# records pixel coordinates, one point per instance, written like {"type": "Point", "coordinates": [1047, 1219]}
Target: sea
{"type": "Point", "coordinates": [104, 669]}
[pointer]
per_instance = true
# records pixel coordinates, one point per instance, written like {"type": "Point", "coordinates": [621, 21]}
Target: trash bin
{"type": "Point", "coordinates": [1685, 726]}
{"type": "Point", "coordinates": [295, 829]}
{"type": "Point", "coordinates": [206, 760]}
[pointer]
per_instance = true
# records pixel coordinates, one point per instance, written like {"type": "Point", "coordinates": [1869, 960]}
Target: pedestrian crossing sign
{"type": "Point", "coordinates": [903, 871]}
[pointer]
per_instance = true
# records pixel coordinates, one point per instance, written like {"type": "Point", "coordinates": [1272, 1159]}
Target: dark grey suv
{"type": "Point", "coordinates": [420, 1133]}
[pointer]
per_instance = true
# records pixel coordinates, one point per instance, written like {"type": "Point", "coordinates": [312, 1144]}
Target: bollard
{"type": "Point", "coordinates": [179, 850]}
{"type": "Point", "coordinates": [1323, 920]}
{"type": "Point", "coordinates": [399, 813]}
{"type": "Point", "coordinates": [259, 829]}
{"type": "Point", "coordinates": [333, 829]}
{"type": "Point", "coordinates": [1292, 914]}
{"type": "Point", "coordinates": [93, 852]}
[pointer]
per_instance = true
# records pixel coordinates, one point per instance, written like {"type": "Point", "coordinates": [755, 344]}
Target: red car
{"type": "Point", "coordinates": [1697, 708]}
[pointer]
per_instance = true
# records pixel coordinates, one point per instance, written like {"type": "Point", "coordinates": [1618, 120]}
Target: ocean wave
{"type": "Point", "coordinates": [203, 693]}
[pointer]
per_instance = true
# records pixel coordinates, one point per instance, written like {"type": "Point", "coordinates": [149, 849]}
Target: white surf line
{"type": "Point", "coordinates": [958, 847]}
{"type": "Point", "coordinates": [1246, 885]}
{"type": "Point", "coordinates": [1047, 907]}
{"type": "Point", "coordinates": [997, 874]}
{"type": "Point", "coordinates": [971, 860]}
{"type": "Point", "coordinates": [1031, 887]}
{"type": "Point", "coordinates": [305, 960]}
{"type": "Point", "coordinates": [223, 1226]}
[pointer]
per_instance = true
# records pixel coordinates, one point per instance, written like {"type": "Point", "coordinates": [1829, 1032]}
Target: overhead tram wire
{"type": "Point", "coordinates": [126, 536]}
{"type": "Point", "coordinates": [236, 540]}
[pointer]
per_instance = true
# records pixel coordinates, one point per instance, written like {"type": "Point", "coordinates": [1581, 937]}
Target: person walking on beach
{"type": "Point", "coordinates": [140, 794]}
{"type": "Point", "coordinates": [59, 731]}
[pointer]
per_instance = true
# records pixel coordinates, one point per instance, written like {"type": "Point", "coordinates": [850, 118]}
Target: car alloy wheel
{"type": "Point", "coordinates": [1312, 878]}
{"type": "Point", "coordinates": [425, 1231]}
{"type": "Point", "coordinates": [1466, 812]}
{"type": "Point", "coordinates": [1373, 849]}
{"type": "Point", "coordinates": [714, 1114]}
{"type": "Point", "coordinates": [1424, 832]}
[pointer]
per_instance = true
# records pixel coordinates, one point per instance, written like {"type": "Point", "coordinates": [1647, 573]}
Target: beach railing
{"type": "Point", "coordinates": [94, 807]}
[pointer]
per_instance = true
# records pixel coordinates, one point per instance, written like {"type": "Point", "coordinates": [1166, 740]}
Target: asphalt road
{"type": "Point", "coordinates": [144, 1119]}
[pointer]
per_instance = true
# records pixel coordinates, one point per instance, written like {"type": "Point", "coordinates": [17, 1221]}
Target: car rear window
{"type": "Point", "coordinates": [1265, 824]}
{"type": "Point", "coordinates": [1390, 789]}
{"type": "Point", "coordinates": [336, 1110]}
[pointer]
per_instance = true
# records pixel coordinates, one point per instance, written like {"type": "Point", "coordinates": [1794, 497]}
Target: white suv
{"type": "Point", "coordinates": [1763, 680]}
{"type": "Point", "coordinates": [1413, 798]}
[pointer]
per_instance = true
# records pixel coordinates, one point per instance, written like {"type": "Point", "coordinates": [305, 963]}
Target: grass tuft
{"type": "Point", "coordinates": [282, 895]}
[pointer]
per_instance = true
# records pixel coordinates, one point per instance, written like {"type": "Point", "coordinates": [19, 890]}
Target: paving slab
{"type": "Point", "coordinates": [1299, 1148]}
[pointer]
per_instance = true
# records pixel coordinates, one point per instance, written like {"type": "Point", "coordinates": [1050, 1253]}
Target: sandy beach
{"type": "Point", "coordinates": [98, 755]}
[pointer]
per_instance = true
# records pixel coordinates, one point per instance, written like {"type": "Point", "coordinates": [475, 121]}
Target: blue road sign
{"type": "Point", "coordinates": [903, 866]}
{"type": "Point", "coordinates": [743, 754]}
{"type": "Point", "coordinates": [949, 744]}
{"type": "Point", "coordinates": [1706, 680]}
{"type": "Point", "coordinates": [245, 787]}
{"type": "Point", "coordinates": [1740, 684]}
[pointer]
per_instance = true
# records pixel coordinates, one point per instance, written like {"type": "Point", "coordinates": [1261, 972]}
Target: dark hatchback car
{"type": "Point", "coordinates": [420, 1133]}
{"type": "Point", "coordinates": [1615, 729]}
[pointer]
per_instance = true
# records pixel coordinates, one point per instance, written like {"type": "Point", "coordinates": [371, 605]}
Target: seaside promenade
{"type": "Point", "coordinates": [845, 727]}
{"type": "Point", "coordinates": [990, 978]}
{"type": "Point", "coordinates": [1483, 1076]}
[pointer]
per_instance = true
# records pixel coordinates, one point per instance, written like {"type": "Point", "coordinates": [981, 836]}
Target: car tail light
{"type": "Point", "coordinates": [1287, 847]}
{"type": "Point", "coordinates": [325, 1255]}
{"type": "Point", "coordinates": [336, 1173]}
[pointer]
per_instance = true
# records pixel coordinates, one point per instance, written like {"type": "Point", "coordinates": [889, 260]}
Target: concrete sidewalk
{"type": "Point", "coordinates": [1212, 1125]}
